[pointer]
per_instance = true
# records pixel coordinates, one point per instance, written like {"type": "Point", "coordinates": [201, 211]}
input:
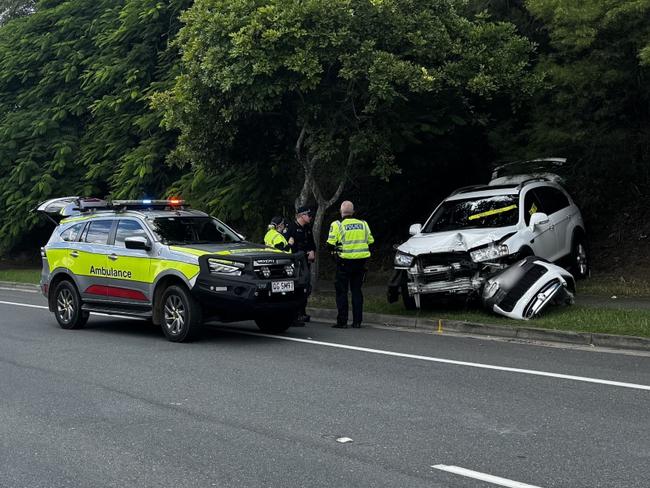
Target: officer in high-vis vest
{"type": "Point", "coordinates": [274, 236]}
{"type": "Point", "coordinates": [350, 239]}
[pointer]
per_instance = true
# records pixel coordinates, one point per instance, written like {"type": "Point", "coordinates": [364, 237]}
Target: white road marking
{"type": "Point", "coordinates": [23, 305]}
{"type": "Point", "coordinates": [451, 361]}
{"type": "Point", "coordinates": [45, 308]}
{"type": "Point", "coordinates": [532, 372]}
{"type": "Point", "coordinates": [495, 480]}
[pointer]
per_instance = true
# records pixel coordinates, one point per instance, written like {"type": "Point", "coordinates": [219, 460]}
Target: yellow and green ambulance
{"type": "Point", "coordinates": [160, 260]}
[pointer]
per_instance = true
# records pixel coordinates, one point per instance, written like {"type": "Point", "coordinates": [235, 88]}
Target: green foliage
{"type": "Point", "coordinates": [13, 9]}
{"type": "Point", "coordinates": [358, 78]}
{"type": "Point", "coordinates": [595, 107]}
{"type": "Point", "coordinates": [75, 81]}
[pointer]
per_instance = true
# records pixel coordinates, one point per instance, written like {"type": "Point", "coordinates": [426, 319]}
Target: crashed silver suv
{"type": "Point", "coordinates": [480, 230]}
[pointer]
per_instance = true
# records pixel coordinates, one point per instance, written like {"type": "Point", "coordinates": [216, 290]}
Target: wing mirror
{"type": "Point", "coordinates": [137, 242]}
{"type": "Point", "coordinates": [537, 219]}
{"type": "Point", "coordinates": [415, 229]}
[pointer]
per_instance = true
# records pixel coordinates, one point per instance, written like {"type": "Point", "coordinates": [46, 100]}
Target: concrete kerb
{"type": "Point", "coordinates": [471, 328]}
{"type": "Point", "coordinates": [19, 286]}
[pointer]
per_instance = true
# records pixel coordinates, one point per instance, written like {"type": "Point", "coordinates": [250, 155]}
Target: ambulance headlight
{"type": "Point", "coordinates": [222, 266]}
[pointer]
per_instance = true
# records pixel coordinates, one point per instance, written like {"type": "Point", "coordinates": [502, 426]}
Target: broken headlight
{"type": "Point", "coordinates": [490, 289]}
{"type": "Point", "coordinates": [489, 253]}
{"type": "Point", "coordinates": [222, 266]}
{"type": "Point", "coordinates": [403, 259]}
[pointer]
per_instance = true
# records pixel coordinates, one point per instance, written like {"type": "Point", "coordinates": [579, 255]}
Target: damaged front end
{"type": "Point", "coordinates": [449, 273]}
{"type": "Point", "coordinates": [461, 272]}
{"type": "Point", "coordinates": [446, 273]}
{"type": "Point", "coordinates": [526, 288]}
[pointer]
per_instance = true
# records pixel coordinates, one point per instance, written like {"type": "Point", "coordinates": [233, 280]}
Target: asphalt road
{"type": "Point", "coordinates": [116, 405]}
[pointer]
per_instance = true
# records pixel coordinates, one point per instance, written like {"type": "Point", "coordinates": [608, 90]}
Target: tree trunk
{"type": "Point", "coordinates": [317, 227]}
{"type": "Point", "coordinates": [323, 206]}
{"type": "Point", "coordinates": [310, 187]}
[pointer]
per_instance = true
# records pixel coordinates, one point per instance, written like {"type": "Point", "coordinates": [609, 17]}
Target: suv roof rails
{"type": "Point", "coordinates": [60, 208]}
{"type": "Point", "coordinates": [465, 189]}
{"type": "Point", "coordinates": [530, 180]}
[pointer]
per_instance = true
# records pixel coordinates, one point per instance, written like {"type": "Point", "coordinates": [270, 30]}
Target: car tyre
{"type": "Point", "coordinates": [275, 324]}
{"type": "Point", "coordinates": [67, 306]}
{"type": "Point", "coordinates": [408, 300]}
{"type": "Point", "coordinates": [580, 258]}
{"type": "Point", "coordinates": [180, 315]}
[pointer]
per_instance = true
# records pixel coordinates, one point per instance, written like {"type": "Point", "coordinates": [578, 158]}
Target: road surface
{"type": "Point", "coordinates": [116, 405]}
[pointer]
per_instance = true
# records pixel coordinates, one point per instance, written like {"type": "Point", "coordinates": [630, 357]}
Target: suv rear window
{"type": "Point", "coordinates": [97, 231]}
{"type": "Point", "coordinates": [71, 234]}
{"type": "Point", "coordinates": [494, 211]}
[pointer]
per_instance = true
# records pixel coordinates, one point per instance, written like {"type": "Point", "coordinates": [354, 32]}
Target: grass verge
{"type": "Point", "coordinates": [574, 318]}
{"type": "Point", "coordinates": [28, 275]}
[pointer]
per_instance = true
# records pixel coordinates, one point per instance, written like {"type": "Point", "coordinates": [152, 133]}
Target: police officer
{"type": "Point", "coordinates": [300, 238]}
{"type": "Point", "coordinates": [350, 239]}
{"type": "Point", "coordinates": [274, 236]}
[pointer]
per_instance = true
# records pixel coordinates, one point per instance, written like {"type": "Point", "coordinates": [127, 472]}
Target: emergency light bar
{"type": "Point", "coordinates": [58, 208]}
{"type": "Point", "coordinates": [146, 203]}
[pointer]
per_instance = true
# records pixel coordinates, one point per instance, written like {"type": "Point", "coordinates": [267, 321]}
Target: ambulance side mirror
{"type": "Point", "coordinates": [137, 242]}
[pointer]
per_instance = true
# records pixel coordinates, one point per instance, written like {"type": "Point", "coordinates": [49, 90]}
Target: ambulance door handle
{"type": "Point", "coordinates": [112, 257]}
{"type": "Point", "coordinates": [74, 254]}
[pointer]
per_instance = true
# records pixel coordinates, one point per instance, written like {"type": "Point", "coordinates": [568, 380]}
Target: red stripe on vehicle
{"type": "Point", "coordinates": [113, 291]}
{"type": "Point", "coordinates": [96, 290]}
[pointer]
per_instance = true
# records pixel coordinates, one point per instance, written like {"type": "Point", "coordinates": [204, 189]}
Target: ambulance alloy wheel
{"type": "Point", "coordinates": [67, 306]}
{"type": "Point", "coordinates": [181, 315]}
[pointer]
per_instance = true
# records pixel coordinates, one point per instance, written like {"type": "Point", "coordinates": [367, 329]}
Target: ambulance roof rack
{"type": "Point", "coordinates": [59, 208]}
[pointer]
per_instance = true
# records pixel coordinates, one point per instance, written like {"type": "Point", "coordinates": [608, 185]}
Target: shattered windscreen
{"type": "Point", "coordinates": [494, 211]}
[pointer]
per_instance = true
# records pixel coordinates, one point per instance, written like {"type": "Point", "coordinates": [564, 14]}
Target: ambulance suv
{"type": "Point", "coordinates": [160, 260]}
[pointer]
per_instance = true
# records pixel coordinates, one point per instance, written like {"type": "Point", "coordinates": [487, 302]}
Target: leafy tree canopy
{"type": "Point", "coordinates": [330, 89]}
{"type": "Point", "coordinates": [596, 105]}
{"type": "Point", "coordinates": [12, 9]}
{"type": "Point", "coordinates": [75, 81]}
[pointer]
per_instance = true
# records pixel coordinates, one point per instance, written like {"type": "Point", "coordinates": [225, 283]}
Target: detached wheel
{"type": "Point", "coordinates": [409, 301]}
{"type": "Point", "coordinates": [67, 306]}
{"type": "Point", "coordinates": [181, 315]}
{"type": "Point", "coordinates": [579, 258]}
{"type": "Point", "coordinates": [275, 324]}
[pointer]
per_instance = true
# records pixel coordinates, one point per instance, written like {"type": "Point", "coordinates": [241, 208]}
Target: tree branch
{"type": "Point", "coordinates": [299, 142]}
{"type": "Point", "coordinates": [339, 189]}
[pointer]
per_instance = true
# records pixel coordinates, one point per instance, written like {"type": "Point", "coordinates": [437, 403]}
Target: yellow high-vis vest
{"type": "Point", "coordinates": [353, 236]}
{"type": "Point", "coordinates": [273, 238]}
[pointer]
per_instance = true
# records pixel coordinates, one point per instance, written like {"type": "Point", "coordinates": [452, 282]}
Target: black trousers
{"type": "Point", "coordinates": [303, 306]}
{"type": "Point", "coordinates": [349, 274]}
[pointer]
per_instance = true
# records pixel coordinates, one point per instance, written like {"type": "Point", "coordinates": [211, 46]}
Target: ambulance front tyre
{"type": "Point", "coordinates": [181, 314]}
{"type": "Point", "coordinates": [67, 306]}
